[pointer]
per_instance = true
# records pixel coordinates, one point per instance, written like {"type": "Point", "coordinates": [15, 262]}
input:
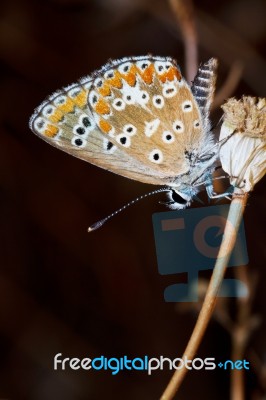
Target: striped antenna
{"type": "Point", "coordinates": [100, 223]}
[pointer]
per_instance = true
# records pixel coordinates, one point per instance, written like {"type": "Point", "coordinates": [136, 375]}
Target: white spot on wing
{"type": "Point", "coordinates": [60, 100]}
{"type": "Point", "coordinates": [48, 110]}
{"type": "Point", "coordinates": [39, 125]}
{"type": "Point", "coordinates": [87, 121]}
{"type": "Point", "coordinates": [142, 65]}
{"type": "Point", "coordinates": [151, 127]}
{"type": "Point", "coordinates": [160, 67]}
{"type": "Point", "coordinates": [158, 101]}
{"type": "Point", "coordinates": [128, 98]}
{"type": "Point", "coordinates": [125, 67]}
{"type": "Point", "coordinates": [108, 146]}
{"type": "Point", "coordinates": [142, 97]}
{"type": "Point", "coordinates": [178, 126]}
{"type": "Point", "coordinates": [93, 98]}
{"type": "Point", "coordinates": [186, 106]}
{"type": "Point", "coordinates": [78, 142]}
{"type": "Point", "coordinates": [119, 104]}
{"type": "Point", "coordinates": [109, 74]}
{"type": "Point", "coordinates": [169, 90]}
{"type": "Point", "coordinates": [156, 156]}
{"type": "Point", "coordinates": [123, 139]}
{"type": "Point", "coordinates": [73, 93]}
{"type": "Point", "coordinates": [168, 137]}
{"type": "Point", "coordinates": [98, 82]}
{"type": "Point", "coordinates": [130, 129]}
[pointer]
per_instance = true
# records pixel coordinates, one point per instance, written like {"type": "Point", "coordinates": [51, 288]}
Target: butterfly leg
{"type": "Point", "coordinates": [213, 195]}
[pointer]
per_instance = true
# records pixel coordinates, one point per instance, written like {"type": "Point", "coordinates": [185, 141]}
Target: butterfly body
{"type": "Point", "coordinates": [137, 117]}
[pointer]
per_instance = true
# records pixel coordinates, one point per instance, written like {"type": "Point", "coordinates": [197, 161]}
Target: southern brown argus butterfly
{"type": "Point", "coordinates": [139, 118]}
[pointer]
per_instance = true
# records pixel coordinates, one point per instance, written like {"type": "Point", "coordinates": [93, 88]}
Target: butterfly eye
{"type": "Point", "coordinates": [119, 104]}
{"type": "Point", "coordinates": [178, 126]}
{"type": "Point", "coordinates": [178, 199]}
{"type": "Point", "coordinates": [169, 91]}
{"type": "Point", "coordinates": [156, 156]}
{"type": "Point", "coordinates": [158, 101]}
{"type": "Point", "coordinates": [187, 106]}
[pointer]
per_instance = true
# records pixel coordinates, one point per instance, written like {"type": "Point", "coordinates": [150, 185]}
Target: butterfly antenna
{"type": "Point", "coordinates": [100, 223]}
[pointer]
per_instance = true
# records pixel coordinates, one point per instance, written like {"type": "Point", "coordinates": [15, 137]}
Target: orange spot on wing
{"type": "Point", "coordinates": [147, 74]}
{"type": "Point", "coordinates": [56, 116]}
{"type": "Point", "coordinates": [131, 76]}
{"type": "Point", "coordinates": [102, 107]}
{"type": "Point", "coordinates": [105, 126]}
{"type": "Point", "coordinates": [51, 131]}
{"type": "Point", "coordinates": [170, 75]}
{"type": "Point", "coordinates": [81, 99]}
{"type": "Point", "coordinates": [105, 90]}
{"type": "Point", "coordinates": [67, 107]}
{"type": "Point", "coordinates": [115, 81]}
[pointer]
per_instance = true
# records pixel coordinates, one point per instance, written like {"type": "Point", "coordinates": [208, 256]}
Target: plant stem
{"type": "Point", "coordinates": [185, 16]}
{"type": "Point", "coordinates": [230, 233]}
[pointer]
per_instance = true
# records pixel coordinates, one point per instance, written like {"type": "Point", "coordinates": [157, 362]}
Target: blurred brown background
{"type": "Point", "coordinates": [63, 290]}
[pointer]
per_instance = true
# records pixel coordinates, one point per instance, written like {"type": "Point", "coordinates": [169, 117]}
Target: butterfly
{"type": "Point", "coordinates": [139, 118]}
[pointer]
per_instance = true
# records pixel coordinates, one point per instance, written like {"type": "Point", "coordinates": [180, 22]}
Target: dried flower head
{"type": "Point", "coordinates": [243, 155]}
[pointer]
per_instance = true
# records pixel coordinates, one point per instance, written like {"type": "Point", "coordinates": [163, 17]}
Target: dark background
{"type": "Point", "coordinates": [84, 295]}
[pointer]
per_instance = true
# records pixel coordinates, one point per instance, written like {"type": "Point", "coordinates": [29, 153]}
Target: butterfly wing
{"type": "Point", "coordinates": [64, 120]}
{"type": "Point", "coordinates": [203, 88]}
{"type": "Point", "coordinates": [136, 117]}
{"type": "Point", "coordinates": [147, 108]}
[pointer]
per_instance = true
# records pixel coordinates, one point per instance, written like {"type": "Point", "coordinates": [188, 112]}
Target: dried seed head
{"type": "Point", "coordinates": [247, 115]}
{"type": "Point", "coordinates": [243, 155]}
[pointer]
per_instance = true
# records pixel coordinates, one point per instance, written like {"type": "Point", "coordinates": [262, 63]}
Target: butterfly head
{"type": "Point", "coordinates": [186, 186]}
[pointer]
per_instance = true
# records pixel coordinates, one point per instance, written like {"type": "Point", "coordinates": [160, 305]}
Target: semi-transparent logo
{"type": "Point", "coordinates": [188, 241]}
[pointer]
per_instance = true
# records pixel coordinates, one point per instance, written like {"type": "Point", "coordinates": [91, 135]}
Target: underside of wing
{"type": "Point", "coordinates": [146, 108]}
{"type": "Point", "coordinates": [136, 117]}
{"type": "Point", "coordinates": [65, 121]}
{"type": "Point", "coordinates": [203, 88]}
